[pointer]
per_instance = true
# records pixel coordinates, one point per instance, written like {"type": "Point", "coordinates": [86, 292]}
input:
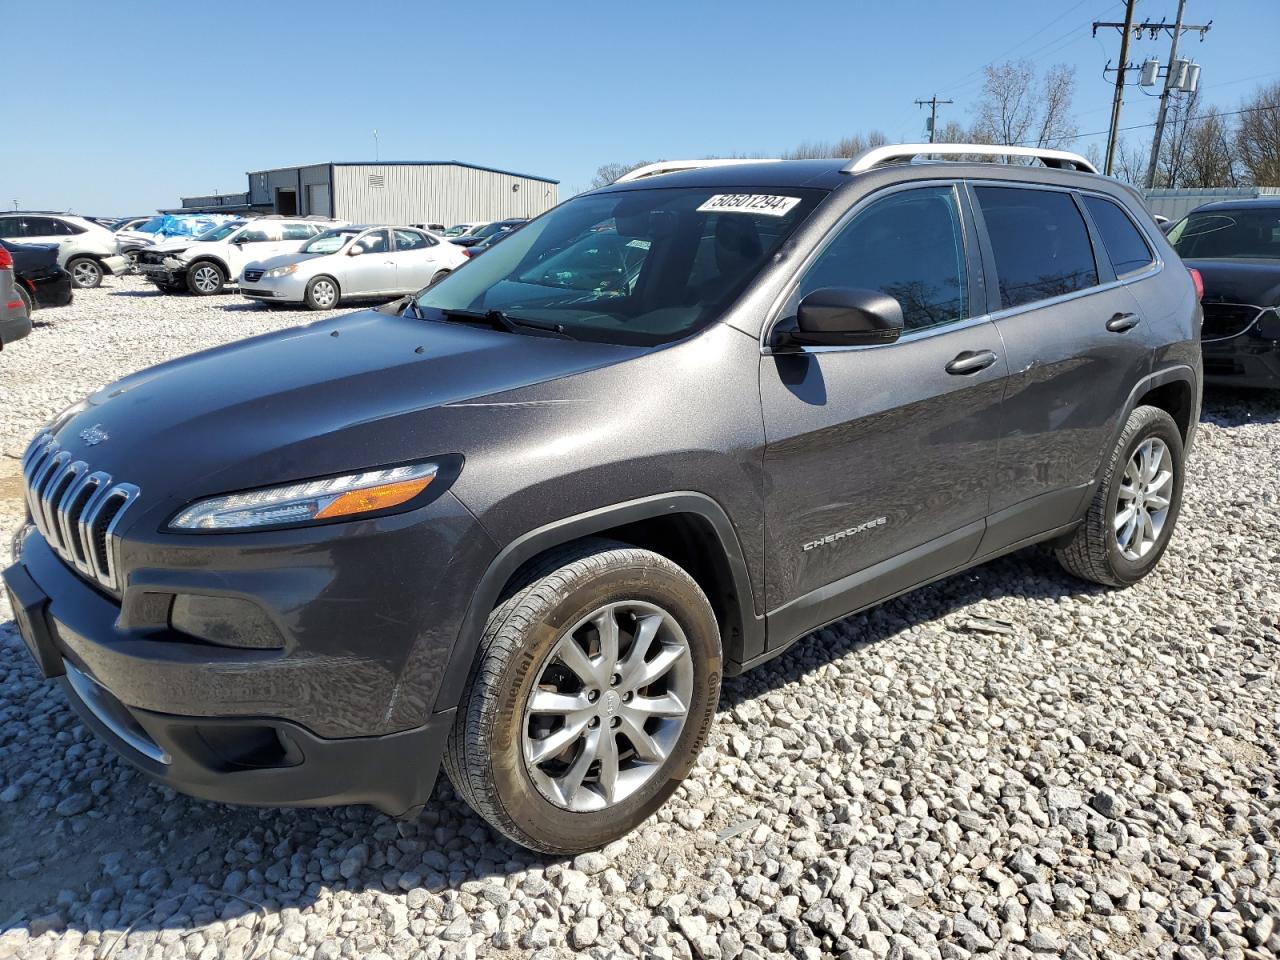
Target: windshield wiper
{"type": "Point", "coordinates": [502, 321]}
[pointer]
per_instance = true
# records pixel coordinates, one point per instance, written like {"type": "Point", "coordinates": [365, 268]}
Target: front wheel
{"type": "Point", "coordinates": [322, 293]}
{"type": "Point", "coordinates": [86, 272]}
{"type": "Point", "coordinates": [1135, 507]}
{"type": "Point", "coordinates": [593, 691]}
{"type": "Point", "coordinates": [206, 278]}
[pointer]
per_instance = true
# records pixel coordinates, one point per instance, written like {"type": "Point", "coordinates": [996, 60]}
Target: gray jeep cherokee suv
{"type": "Point", "coordinates": [524, 526]}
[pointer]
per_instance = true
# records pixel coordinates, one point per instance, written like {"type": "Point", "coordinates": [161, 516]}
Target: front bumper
{"type": "Point", "coordinates": [341, 711]}
{"type": "Point", "coordinates": [170, 272]}
{"type": "Point", "coordinates": [118, 264]}
{"type": "Point", "coordinates": [288, 289]}
{"type": "Point", "coordinates": [1250, 358]}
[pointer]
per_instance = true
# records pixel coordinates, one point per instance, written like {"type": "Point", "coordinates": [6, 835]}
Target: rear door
{"type": "Point", "coordinates": [415, 261]}
{"type": "Point", "coordinates": [878, 459]}
{"type": "Point", "coordinates": [1075, 342]}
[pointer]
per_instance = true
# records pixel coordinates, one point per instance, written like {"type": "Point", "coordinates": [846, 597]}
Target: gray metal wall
{"type": "Point", "coordinates": [1176, 204]}
{"type": "Point", "coordinates": [436, 194]}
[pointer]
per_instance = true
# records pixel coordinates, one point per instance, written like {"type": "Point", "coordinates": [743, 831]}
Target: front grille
{"type": "Point", "coordinates": [253, 276]}
{"type": "Point", "coordinates": [76, 509]}
{"type": "Point", "coordinates": [151, 256]}
{"type": "Point", "coordinates": [1222, 320]}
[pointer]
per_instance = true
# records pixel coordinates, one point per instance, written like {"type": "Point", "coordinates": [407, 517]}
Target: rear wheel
{"type": "Point", "coordinates": [1135, 507]}
{"type": "Point", "coordinates": [205, 278]}
{"type": "Point", "coordinates": [322, 293]}
{"type": "Point", "coordinates": [86, 272]}
{"type": "Point", "coordinates": [594, 688]}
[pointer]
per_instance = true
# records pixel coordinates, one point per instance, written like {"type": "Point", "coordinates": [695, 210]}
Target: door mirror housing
{"type": "Point", "coordinates": [355, 250]}
{"type": "Point", "coordinates": [844, 317]}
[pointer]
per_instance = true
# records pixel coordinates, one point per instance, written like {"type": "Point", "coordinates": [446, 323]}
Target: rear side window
{"type": "Point", "coordinates": [910, 245]}
{"type": "Point", "coordinates": [11, 227]}
{"type": "Point", "coordinates": [1123, 241]}
{"type": "Point", "coordinates": [1039, 241]}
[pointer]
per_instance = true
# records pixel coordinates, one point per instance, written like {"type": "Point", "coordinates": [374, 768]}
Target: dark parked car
{"type": "Point", "coordinates": [651, 439]}
{"type": "Point", "coordinates": [488, 231]}
{"type": "Point", "coordinates": [15, 314]}
{"type": "Point", "coordinates": [38, 278]}
{"type": "Point", "coordinates": [1235, 247]}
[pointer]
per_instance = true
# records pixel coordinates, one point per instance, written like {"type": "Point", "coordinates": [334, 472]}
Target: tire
{"type": "Point", "coordinates": [489, 757]}
{"type": "Point", "coordinates": [439, 275]}
{"type": "Point", "coordinates": [206, 278]}
{"type": "Point", "coordinates": [1119, 555]}
{"type": "Point", "coordinates": [25, 297]}
{"type": "Point", "coordinates": [86, 273]}
{"type": "Point", "coordinates": [318, 296]}
{"type": "Point", "coordinates": [165, 287]}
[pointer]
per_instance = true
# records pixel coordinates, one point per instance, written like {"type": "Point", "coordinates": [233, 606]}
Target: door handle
{"type": "Point", "coordinates": [971, 361]}
{"type": "Point", "coordinates": [1123, 321]}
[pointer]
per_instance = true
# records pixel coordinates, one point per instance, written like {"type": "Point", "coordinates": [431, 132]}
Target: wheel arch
{"type": "Point", "coordinates": [690, 529]}
{"type": "Point", "coordinates": [210, 258]}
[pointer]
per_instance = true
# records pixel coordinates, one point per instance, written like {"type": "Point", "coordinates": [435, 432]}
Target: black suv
{"type": "Point", "coordinates": [524, 526]}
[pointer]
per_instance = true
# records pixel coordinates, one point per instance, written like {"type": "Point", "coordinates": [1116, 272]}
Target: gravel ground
{"type": "Point", "coordinates": [1008, 761]}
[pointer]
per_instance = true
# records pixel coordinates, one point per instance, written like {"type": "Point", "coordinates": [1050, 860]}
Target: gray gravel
{"type": "Point", "coordinates": [1008, 761]}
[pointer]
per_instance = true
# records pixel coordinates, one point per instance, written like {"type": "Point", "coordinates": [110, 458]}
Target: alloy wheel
{"type": "Point", "coordinates": [1145, 494]}
{"type": "Point", "coordinates": [610, 701]}
{"type": "Point", "coordinates": [206, 279]}
{"type": "Point", "coordinates": [86, 273]}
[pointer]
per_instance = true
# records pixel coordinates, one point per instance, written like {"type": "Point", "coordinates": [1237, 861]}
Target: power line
{"type": "Point", "coordinates": [933, 114]}
{"type": "Point", "coordinates": [1147, 126]}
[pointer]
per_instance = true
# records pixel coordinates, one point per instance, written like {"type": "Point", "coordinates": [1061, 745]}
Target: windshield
{"type": "Point", "coordinates": [638, 267]}
{"type": "Point", "coordinates": [331, 241]}
{"type": "Point", "coordinates": [1229, 235]}
{"type": "Point", "coordinates": [220, 233]}
{"type": "Point", "coordinates": [498, 226]}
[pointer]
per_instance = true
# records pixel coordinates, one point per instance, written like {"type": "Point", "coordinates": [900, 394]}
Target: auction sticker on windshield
{"type": "Point", "coordinates": [769, 204]}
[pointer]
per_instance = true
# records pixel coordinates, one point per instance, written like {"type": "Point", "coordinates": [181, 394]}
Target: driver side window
{"type": "Point", "coordinates": [910, 246]}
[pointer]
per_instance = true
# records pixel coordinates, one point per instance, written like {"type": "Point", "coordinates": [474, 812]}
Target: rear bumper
{"type": "Point", "coordinates": [14, 323]}
{"type": "Point", "coordinates": [55, 290]}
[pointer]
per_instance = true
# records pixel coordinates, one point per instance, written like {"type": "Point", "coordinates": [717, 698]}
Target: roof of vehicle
{"type": "Point", "coordinates": [1244, 203]}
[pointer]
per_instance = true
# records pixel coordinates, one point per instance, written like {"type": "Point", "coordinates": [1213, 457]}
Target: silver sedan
{"type": "Point", "coordinates": [352, 263]}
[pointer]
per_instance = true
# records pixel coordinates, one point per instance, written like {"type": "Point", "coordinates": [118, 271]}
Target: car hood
{"type": "Point", "coordinates": [284, 259]}
{"type": "Point", "coordinates": [172, 244]}
{"type": "Point", "coordinates": [334, 396]}
{"type": "Point", "coordinates": [1255, 282]}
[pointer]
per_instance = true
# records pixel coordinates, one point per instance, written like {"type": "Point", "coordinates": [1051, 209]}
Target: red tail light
{"type": "Point", "coordinates": [14, 304]}
{"type": "Point", "coordinates": [6, 258]}
{"type": "Point", "coordinates": [1198, 281]}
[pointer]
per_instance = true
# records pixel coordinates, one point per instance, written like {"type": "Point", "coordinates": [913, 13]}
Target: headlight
{"type": "Point", "coordinates": [309, 501]}
{"type": "Point", "coordinates": [282, 271]}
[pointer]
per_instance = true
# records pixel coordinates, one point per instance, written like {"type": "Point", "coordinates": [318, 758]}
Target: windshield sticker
{"type": "Point", "coordinates": [769, 204]}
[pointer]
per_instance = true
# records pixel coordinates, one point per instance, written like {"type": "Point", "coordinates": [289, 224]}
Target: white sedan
{"type": "Point", "coordinates": [348, 263]}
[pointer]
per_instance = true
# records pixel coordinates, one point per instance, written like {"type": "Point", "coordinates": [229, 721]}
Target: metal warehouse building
{"type": "Point", "coordinates": [407, 191]}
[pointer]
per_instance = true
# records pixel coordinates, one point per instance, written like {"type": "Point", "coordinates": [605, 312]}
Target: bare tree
{"type": "Point", "coordinates": [1178, 130]}
{"type": "Point", "coordinates": [1017, 109]}
{"type": "Point", "coordinates": [1210, 159]}
{"type": "Point", "coordinates": [1257, 139]}
{"type": "Point", "coordinates": [844, 147]}
{"type": "Point", "coordinates": [606, 173]}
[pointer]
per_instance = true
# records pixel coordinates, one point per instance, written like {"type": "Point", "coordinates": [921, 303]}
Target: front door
{"type": "Point", "coordinates": [373, 271]}
{"type": "Point", "coordinates": [1076, 344]}
{"type": "Point", "coordinates": [878, 459]}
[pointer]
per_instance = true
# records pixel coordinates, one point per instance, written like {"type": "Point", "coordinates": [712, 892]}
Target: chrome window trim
{"type": "Point", "coordinates": [774, 312]}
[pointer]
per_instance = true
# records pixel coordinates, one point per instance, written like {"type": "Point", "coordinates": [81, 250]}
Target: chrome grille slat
{"type": "Point", "coordinates": [75, 507]}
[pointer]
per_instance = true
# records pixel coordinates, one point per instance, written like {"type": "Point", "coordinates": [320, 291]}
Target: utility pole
{"type": "Point", "coordinates": [1178, 29]}
{"type": "Point", "coordinates": [933, 102]}
{"type": "Point", "coordinates": [1118, 101]}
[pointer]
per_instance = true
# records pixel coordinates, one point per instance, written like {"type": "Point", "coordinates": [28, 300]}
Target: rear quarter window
{"type": "Point", "coordinates": [1124, 243]}
{"type": "Point", "coordinates": [1039, 241]}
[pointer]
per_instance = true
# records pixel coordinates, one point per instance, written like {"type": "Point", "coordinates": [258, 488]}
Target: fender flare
{"type": "Point", "coordinates": [541, 539]}
{"type": "Point", "coordinates": [210, 258]}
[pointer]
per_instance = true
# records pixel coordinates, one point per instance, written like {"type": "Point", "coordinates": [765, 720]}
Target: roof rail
{"type": "Point", "coordinates": [905, 152]}
{"type": "Point", "coordinates": [675, 166]}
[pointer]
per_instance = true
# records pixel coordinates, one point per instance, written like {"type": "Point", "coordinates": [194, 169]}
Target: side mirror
{"type": "Point", "coordinates": [845, 317]}
{"type": "Point", "coordinates": [355, 251]}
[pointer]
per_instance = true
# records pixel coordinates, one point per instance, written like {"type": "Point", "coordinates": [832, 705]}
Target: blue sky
{"type": "Point", "coordinates": [136, 103]}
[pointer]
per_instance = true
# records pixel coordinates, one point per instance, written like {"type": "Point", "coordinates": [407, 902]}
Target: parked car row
{"type": "Point", "coordinates": [85, 249]}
